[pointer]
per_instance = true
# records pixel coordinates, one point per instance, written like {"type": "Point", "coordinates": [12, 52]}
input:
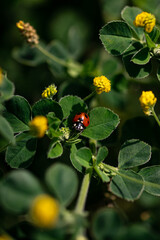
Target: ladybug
{"type": "Point", "coordinates": [81, 121]}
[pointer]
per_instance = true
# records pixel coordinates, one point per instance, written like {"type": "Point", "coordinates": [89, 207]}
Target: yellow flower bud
{"type": "Point", "coordinates": [38, 126]}
{"type": "Point", "coordinates": [20, 25]}
{"type": "Point", "coordinates": [1, 76]}
{"type": "Point", "coordinates": [49, 92]}
{"type": "Point", "coordinates": [44, 211]}
{"type": "Point", "coordinates": [147, 101]}
{"type": "Point", "coordinates": [28, 32]}
{"type": "Point", "coordinates": [66, 133]}
{"type": "Point", "coordinates": [146, 20]}
{"type": "Point", "coordinates": [102, 84]}
{"type": "Point", "coordinates": [5, 237]}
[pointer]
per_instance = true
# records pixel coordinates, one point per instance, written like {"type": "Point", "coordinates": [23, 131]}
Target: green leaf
{"type": "Point", "coordinates": [104, 224]}
{"type": "Point", "coordinates": [142, 56]}
{"type": "Point", "coordinates": [6, 131]}
{"type": "Point", "coordinates": [127, 184]}
{"type": "Point", "coordinates": [133, 153]}
{"type": "Point", "coordinates": [84, 157]}
{"type": "Point", "coordinates": [55, 151]}
{"type": "Point", "coordinates": [116, 37]}
{"type": "Point", "coordinates": [137, 231]}
{"type": "Point", "coordinates": [73, 158]}
{"type": "Point", "coordinates": [20, 108]}
{"type": "Point", "coordinates": [17, 124]}
{"type": "Point", "coordinates": [28, 56]}
{"type": "Point", "coordinates": [44, 106]}
{"type": "Point", "coordinates": [75, 30]}
{"type": "Point", "coordinates": [21, 155]}
{"type": "Point", "coordinates": [6, 89]}
{"type": "Point", "coordinates": [1, 108]}
{"type": "Point", "coordinates": [129, 14]}
{"type": "Point", "coordinates": [149, 41]}
{"type": "Point", "coordinates": [71, 105]}
{"type": "Point", "coordinates": [151, 176]}
{"type": "Point", "coordinates": [51, 133]}
{"type": "Point", "coordinates": [135, 70]}
{"type": "Point", "coordinates": [17, 191]}
{"type": "Point", "coordinates": [63, 181]}
{"type": "Point", "coordinates": [102, 123]}
{"type": "Point", "coordinates": [154, 35]}
{"type": "Point", "coordinates": [102, 154]}
{"type": "Point", "coordinates": [53, 121]}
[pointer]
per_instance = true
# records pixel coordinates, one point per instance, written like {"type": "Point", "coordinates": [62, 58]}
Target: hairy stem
{"type": "Point", "coordinates": [80, 206]}
{"type": "Point", "coordinates": [89, 96]}
{"type": "Point", "coordinates": [72, 65]}
{"type": "Point", "coordinates": [155, 116]}
{"type": "Point", "coordinates": [51, 56]}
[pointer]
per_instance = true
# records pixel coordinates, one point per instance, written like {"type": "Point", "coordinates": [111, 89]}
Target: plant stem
{"type": "Point", "coordinates": [51, 56]}
{"type": "Point", "coordinates": [83, 192]}
{"type": "Point", "coordinates": [89, 96]}
{"type": "Point", "coordinates": [145, 183]}
{"type": "Point", "coordinates": [73, 66]}
{"type": "Point", "coordinates": [110, 168]}
{"type": "Point", "coordinates": [155, 116]}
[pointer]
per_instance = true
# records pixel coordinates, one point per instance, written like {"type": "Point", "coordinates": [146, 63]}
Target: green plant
{"type": "Point", "coordinates": [25, 127]}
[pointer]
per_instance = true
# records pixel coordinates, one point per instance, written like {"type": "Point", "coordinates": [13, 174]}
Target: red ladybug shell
{"type": "Point", "coordinates": [81, 121]}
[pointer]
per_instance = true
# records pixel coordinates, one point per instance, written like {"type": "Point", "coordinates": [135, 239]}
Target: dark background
{"type": "Point", "coordinates": [53, 20]}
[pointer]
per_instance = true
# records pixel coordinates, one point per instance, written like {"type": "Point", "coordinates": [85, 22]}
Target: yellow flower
{"type": "Point", "coordinates": [44, 211]}
{"type": "Point", "coordinates": [146, 20]}
{"type": "Point", "coordinates": [102, 83]}
{"type": "Point", "coordinates": [28, 32]}
{"type": "Point", "coordinates": [38, 126]}
{"type": "Point", "coordinates": [66, 133]}
{"type": "Point", "coordinates": [49, 92]}
{"type": "Point", "coordinates": [5, 237]}
{"type": "Point", "coordinates": [147, 101]}
{"type": "Point", "coordinates": [20, 25]}
{"type": "Point", "coordinates": [1, 76]}
{"type": "Point", "coordinates": [81, 238]}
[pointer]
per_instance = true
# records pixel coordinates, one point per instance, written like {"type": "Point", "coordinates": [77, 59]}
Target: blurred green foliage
{"type": "Point", "coordinates": [72, 27]}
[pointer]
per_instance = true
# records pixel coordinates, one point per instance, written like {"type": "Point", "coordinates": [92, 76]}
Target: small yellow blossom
{"type": "Point", "coordinates": [147, 101]}
{"type": "Point", "coordinates": [20, 25]}
{"type": "Point", "coordinates": [38, 126]}
{"type": "Point", "coordinates": [49, 92]}
{"type": "Point", "coordinates": [44, 211]}
{"type": "Point", "coordinates": [5, 237]}
{"type": "Point", "coordinates": [28, 32]}
{"type": "Point", "coordinates": [1, 76]}
{"type": "Point", "coordinates": [146, 20]}
{"type": "Point", "coordinates": [81, 238]}
{"type": "Point", "coordinates": [66, 133]}
{"type": "Point", "coordinates": [102, 83]}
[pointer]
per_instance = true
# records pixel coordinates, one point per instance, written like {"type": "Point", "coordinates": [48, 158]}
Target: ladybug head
{"type": "Point", "coordinates": [79, 126]}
